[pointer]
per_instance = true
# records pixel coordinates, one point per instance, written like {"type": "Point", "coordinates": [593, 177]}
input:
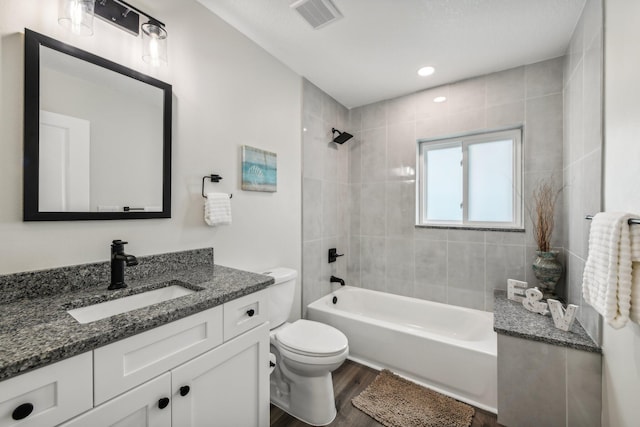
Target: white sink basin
{"type": "Point", "coordinates": [102, 310]}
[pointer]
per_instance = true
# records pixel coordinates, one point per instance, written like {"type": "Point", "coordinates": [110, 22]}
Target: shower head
{"type": "Point", "coordinates": [342, 136]}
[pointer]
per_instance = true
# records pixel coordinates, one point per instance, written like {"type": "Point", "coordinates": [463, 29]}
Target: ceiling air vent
{"type": "Point", "coordinates": [317, 13]}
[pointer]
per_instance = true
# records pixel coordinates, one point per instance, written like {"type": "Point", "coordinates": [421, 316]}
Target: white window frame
{"type": "Point", "coordinates": [513, 134]}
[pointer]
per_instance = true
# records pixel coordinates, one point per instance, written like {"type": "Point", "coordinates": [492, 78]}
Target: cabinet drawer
{"type": "Point", "coordinates": [245, 313]}
{"type": "Point", "coordinates": [57, 392]}
{"type": "Point", "coordinates": [124, 364]}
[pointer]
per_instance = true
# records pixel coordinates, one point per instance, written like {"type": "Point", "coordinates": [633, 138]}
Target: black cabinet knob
{"type": "Point", "coordinates": [251, 312]}
{"type": "Point", "coordinates": [184, 390]}
{"type": "Point", "coordinates": [163, 403]}
{"type": "Point", "coordinates": [22, 411]}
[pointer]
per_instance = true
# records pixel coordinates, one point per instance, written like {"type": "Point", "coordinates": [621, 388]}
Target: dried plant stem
{"type": "Point", "coordinates": [544, 198]}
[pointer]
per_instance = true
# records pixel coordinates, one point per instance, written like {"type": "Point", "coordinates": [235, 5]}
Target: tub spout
{"type": "Point", "coordinates": [337, 280]}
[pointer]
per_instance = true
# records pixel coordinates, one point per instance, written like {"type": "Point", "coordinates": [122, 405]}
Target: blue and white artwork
{"type": "Point", "coordinates": [259, 169]}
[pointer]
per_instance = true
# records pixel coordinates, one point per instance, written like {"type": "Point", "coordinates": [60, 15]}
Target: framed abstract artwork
{"type": "Point", "coordinates": [259, 170]}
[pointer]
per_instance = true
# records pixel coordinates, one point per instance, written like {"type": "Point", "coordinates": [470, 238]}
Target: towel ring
{"type": "Point", "coordinates": [213, 178]}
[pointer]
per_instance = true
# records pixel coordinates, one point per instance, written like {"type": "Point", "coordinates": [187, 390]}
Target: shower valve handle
{"type": "Point", "coordinates": [333, 255]}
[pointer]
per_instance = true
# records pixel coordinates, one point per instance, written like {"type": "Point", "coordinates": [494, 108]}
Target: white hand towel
{"type": "Point", "coordinates": [217, 209]}
{"type": "Point", "coordinates": [635, 272]}
{"type": "Point", "coordinates": [607, 273]}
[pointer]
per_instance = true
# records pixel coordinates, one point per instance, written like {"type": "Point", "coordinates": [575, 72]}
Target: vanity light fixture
{"type": "Point", "coordinates": [77, 16]}
{"type": "Point", "coordinates": [122, 15]}
{"type": "Point", "coordinates": [154, 43]}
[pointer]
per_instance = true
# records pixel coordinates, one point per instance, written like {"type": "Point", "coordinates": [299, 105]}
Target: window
{"type": "Point", "coordinates": [471, 181]}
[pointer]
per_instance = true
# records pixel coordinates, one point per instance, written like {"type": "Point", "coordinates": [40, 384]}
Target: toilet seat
{"type": "Point", "coordinates": [309, 338]}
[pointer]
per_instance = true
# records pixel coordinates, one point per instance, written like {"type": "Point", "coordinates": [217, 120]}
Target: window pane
{"type": "Point", "coordinates": [444, 183]}
{"type": "Point", "coordinates": [490, 181]}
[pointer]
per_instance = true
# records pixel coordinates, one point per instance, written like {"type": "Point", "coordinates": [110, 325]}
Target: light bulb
{"type": "Point", "coordinates": [154, 40]}
{"type": "Point", "coordinates": [77, 16]}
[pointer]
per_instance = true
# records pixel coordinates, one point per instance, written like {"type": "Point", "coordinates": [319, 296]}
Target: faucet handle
{"type": "Point", "coordinates": [119, 242]}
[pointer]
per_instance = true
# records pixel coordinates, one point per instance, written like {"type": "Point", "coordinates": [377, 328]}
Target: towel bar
{"type": "Point", "coordinates": [631, 220]}
{"type": "Point", "coordinates": [213, 178]}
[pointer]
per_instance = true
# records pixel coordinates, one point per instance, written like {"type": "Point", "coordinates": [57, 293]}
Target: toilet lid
{"type": "Point", "coordinates": [315, 338]}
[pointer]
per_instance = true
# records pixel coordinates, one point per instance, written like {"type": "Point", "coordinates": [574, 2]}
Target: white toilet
{"type": "Point", "coordinates": [306, 353]}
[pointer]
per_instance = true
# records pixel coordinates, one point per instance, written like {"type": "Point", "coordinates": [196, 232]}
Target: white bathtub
{"type": "Point", "coordinates": [449, 349]}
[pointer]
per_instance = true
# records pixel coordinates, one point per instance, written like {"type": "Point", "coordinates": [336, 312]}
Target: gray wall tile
{"type": "Point", "coordinates": [401, 207]}
{"type": "Point", "coordinates": [426, 108]}
{"type": "Point", "coordinates": [373, 263]}
{"type": "Point", "coordinates": [374, 115]}
{"type": "Point", "coordinates": [531, 383]}
{"type": "Point", "coordinates": [505, 115]}
{"type": "Point", "coordinates": [504, 262]}
{"type": "Point", "coordinates": [466, 267]}
{"type": "Point", "coordinates": [355, 158]}
{"type": "Point", "coordinates": [505, 87]}
{"type": "Point", "coordinates": [329, 209]}
{"type": "Point", "coordinates": [399, 255]}
{"type": "Point", "coordinates": [353, 261]}
{"type": "Point", "coordinates": [430, 264]}
{"type": "Point", "coordinates": [544, 78]}
{"type": "Point", "coordinates": [584, 388]}
{"type": "Point", "coordinates": [468, 94]}
{"type": "Point", "coordinates": [374, 155]}
{"type": "Point", "coordinates": [312, 270]}
{"type": "Point", "coordinates": [401, 151]}
{"type": "Point", "coordinates": [401, 110]}
{"type": "Point", "coordinates": [312, 209]}
{"type": "Point", "coordinates": [373, 210]}
{"type": "Point", "coordinates": [592, 98]}
{"type": "Point", "coordinates": [469, 298]}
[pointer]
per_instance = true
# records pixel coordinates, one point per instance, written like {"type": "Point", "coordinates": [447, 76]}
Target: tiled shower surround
{"type": "Point", "coordinates": [582, 160]}
{"type": "Point", "coordinates": [361, 196]}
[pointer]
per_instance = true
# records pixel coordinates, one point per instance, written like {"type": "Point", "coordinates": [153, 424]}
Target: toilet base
{"type": "Point", "coordinates": [310, 399]}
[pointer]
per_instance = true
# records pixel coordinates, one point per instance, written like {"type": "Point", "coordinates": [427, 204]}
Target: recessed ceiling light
{"type": "Point", "coordinates": [439, 99]}
{"type": "Point", "coordinates": [426, 71]}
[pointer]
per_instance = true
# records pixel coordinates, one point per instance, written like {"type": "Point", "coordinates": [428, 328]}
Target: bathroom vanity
{"type": "Point", "coordinates": [199, 359]}
{"type": "Point", "coordinates": [546, 376]}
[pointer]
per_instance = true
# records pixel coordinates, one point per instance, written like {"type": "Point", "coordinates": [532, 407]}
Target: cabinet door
{"type": "Point", "coordinates": [140, 407]}
{"type": "Point", "coordinates": [227, 386]}
{"type": "Point", "coordinates": [47, 396]}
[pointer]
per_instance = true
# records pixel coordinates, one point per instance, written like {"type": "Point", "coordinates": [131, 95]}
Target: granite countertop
{"type": "Point", "coordinates": [36, 331]}
{"type": "Point", "coordinates": [511, 318]}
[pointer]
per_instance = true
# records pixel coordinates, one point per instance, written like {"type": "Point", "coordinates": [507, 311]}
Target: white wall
{"type": "Point", "coordinates": [621, 348]}
{"type": "Point", "coordinates": [227, 92]}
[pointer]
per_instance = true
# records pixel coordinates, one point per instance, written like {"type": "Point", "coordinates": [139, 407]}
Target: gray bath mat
{"type": "Point", "coordinates": [396, 402]}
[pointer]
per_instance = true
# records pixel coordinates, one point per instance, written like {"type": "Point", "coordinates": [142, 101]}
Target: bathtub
{"type": "Point", "coordinates": [450, 349]}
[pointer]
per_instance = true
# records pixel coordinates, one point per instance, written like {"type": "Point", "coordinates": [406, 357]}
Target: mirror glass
{"type": "Point", "coordinates": [97, 137]}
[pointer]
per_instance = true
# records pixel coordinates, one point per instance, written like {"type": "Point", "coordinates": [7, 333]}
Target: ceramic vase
{"type": "Point", "coordinates": [547, 270]}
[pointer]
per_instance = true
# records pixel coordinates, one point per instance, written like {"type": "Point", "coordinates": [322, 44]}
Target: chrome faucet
{"type": "Point", "coordinates": [337, 280]}
{"type": "Point", "coordinates": [118, 261]}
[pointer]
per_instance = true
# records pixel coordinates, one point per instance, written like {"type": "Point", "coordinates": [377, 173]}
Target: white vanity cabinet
{"type": "Point", "coordinates": [205, 370]}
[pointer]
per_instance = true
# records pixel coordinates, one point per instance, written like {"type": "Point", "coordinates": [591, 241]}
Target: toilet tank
{"type": "Point", "coordinates": [281, 294]}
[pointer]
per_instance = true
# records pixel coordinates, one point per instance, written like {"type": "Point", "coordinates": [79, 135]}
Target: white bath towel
{"type": "Point", "coordinates": [606, 281]}
{"type": "Point", "coordinates": [217, 209]}
{"type": "Point", "coordinates": [635, 272]}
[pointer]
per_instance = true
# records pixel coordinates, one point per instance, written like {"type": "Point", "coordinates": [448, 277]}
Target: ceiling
{"type": "Point", "coordinates": [374, 51]}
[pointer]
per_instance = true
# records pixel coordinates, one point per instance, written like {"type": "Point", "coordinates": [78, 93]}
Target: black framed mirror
{"type": "Point", "coordinates": [97, 137]}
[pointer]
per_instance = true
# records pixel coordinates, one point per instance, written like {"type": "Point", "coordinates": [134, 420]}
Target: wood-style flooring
{"type": "Point", "coordinates": [348, 381]}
